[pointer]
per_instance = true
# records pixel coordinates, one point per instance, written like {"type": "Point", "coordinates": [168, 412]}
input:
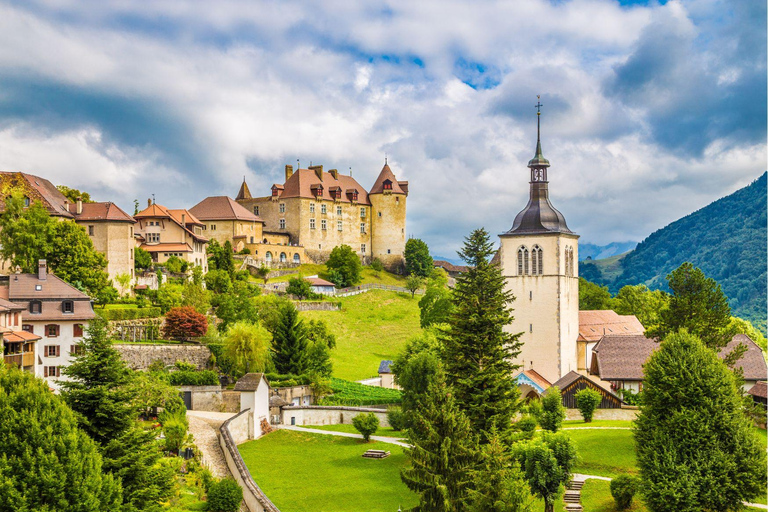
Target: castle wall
{"type": "Point", "coordinates": [115, 241]}
{"type": "Point", "coordinates": [226, 230]}
{"type": "Point", "coordinates": [388, 228]}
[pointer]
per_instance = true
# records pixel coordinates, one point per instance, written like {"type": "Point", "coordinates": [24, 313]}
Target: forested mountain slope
{"type": "Point", "coordinates": [726, 239]}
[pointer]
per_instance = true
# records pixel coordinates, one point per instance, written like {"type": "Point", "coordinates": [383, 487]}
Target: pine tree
{"type": "Point", "coordinates": [443, 452]}
{"type": "Point", "coordinates": [99, 390]}
{"type": "Point", "coordinates": [478, 350]}
{"type": "Point", "coordinates": [696, 449]}
{"type": "Point", "coordinates": [289, 343]}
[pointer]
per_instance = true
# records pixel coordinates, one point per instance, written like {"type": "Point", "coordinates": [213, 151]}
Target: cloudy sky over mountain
{"type": "Point", "coordinates": [650, 110]}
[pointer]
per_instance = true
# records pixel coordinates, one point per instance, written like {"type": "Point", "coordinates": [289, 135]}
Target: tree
{"type": "Point", "coordinates": [418, 262]}
{"type": "Point", "coordinates": [367, 424]}
{"type": "Point", "coordinates": [268, 309]}
{"type": "Point", "coordinates": [623, 489]}
{"type": "Point", "coordinates": [593, 296]}
{"type": "Point", "coordinates": [741, 326]}
{"type": "Point", "coordinates": [696, 449]}
{"type": "Point", "coordinates": [196, 296]}
{"type": "Point", "coordinates": [344, 267]}
{"type": "Point", "coordinates": [218, 281]}
{"type": "Point", "coordinates": [416, 368]}
{"type": "Point", "coordinates": [74, 259]}
{"type": "Point", "coordinates": [587, 400]}
{"type": "Point", "coordinates": [299, 287]}
{"type": "Point", "coordinates": [107, 295]}
{"type": "Point", "coordinates": [289, 344]}
{"type": "Point", "coordinates": [319, 359]}
{"type": "Point", "coordinates": [499, 484]}
{"type": "Point", "coordinates": [169, 296]}
{"type": "Point", "coordinates": [377, 266]}
{"type": "Point", "coordinates": [176, 265]}
{"type": "Point", "coordinates": [25, 234]}
{"type": "Point", "coordinates": [697, 305]}
{"type": "Point", "coordinates": [552, 410]}
{"type": "Point", "coordinates": [73, 195]}
{"type": "Point", "coordinates": [142, 260]}
{"type": "Point", "coordinates": [413, 283]}
{"type": "Point", "coordinates": [263, 272]}
{"type": "Point", "coordinates": [46, 461]}
{"type": "Point", "coordinates": [645, 304]}
{"type": "Point", "coordinates": [98, 390]}
{"type": "Point", "coordinates": [478, 350]}
{"type": "Point", "coordinates": [435, 306]}
{"type": "Point", "coordinates": [547, 464]}
{"type": "Point", "coordinates": [236, 306]}
{"type": "Point", "coordinates": [247, 346]}
{"type": "Point", "coordinates": [443, 452]}
{"type": "Point", "coordinates": [182, 323]}
{"type": "Point", "coordinates": [317, 331]}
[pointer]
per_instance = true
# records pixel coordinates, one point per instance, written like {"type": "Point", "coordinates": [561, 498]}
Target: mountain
{"type": "Point", "coordinates": [597, 252]}
{"type": "Point", "coordinates": [726, 239]}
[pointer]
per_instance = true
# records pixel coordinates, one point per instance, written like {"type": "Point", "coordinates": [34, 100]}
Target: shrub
{"type": "Point", "coordinates": [587, 401]}
{"type": "Point", "coordinates": [396, 418]}
{"type": "Point", "coordinates": [366, 424]}
{"type": "Point", "coordinates": [630, 397]}
{"type": "Point", "coordinates": [552, 410]}
{"type": "Point", "coordinates": [224, 496]}
{"type": "Point", "coordinates": [377, 265]}
{"type": "Point", "coordinates": [623, 489]}
{"type": "Point", "coordinates": [175, 427]}
{"type": "Point", "coordinates": [184, 322]}
{"type": "Point", "coordinates": [193, 378]}
{"type": "Point", "coordinates": [526, 424]}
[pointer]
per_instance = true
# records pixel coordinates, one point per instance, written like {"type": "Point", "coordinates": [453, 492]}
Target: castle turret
{"type": "Point", "coordinates": [388, 197]}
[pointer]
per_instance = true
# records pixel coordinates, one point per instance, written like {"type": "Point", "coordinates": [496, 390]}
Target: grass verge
{"type": "Point", "coordinates": [382, 431]}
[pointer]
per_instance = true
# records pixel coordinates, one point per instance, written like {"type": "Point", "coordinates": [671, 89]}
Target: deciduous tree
{"type": "Point", "coordinates": [367, 424]}
{"type": "Point", "coordinates": [552, 410]}
{"type": "Point", "coordinates": [593, 296]}
{"type": "Point", "coordinates": [344, 267]}
{"type": "Point", "coordinates": [547, 463]}
{"type": "Point", "coordinates": [182, 323]}
{"type": "Point", "coordinates": [413, 283]}
{"type": "Point", "coordinates": [141, 259]}
{"type": "Point", "coordinates": [247, 345]}
{"type": "Point", "coordinates": [418, 262]}
{"type": "Point", "coordinates": [435, 306]}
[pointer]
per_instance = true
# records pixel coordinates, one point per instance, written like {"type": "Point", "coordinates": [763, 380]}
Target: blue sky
{"type": "Point", "coordinates": [651, 109]}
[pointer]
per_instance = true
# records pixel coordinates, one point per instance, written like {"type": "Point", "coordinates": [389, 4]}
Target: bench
{"type": "Point", "coordinates": [376, 454]}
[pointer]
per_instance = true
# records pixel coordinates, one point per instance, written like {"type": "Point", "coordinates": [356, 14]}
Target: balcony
{"type": "Point", "coordinates": [20, 360]}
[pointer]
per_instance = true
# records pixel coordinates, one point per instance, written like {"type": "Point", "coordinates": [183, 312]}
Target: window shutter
{"type": "Point", "coordinates": [58, 371]}
{"type": "Point", "coordinates": [45, 371]}
{"type": "Point", "coordinates": [58, 351]}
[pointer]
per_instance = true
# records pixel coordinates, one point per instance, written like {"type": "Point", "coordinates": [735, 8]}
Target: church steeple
{"type": "Point", "coordinates": [539, 216]}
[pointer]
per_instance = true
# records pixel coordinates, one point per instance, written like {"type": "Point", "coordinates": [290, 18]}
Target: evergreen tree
{"type": "Point", "coordinates": [289, 343]}
{"type": "Point", "coordinates": [478, 351]}
{"type": "Point", "coordinates": [98, 391]}
{"type": "Point", "coordinates": [443, 452]}
{"type": "Point", "coordinates": [46, 462]}
{"type": "Point", "coordinates": [418, 262]}
{"type": "Point", "coordinates": [696, 449]}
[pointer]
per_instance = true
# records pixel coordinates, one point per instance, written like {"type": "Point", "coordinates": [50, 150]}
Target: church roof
{"type": "Point", "coordinates": [539, 216]}
{"type": "Point", "coordinates": [386, 174]}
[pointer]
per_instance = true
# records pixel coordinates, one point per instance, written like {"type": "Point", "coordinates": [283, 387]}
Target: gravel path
{"type": "Point", "coordinates": [390, 440]}
{"type": "Point", "coordinates": [204, 427]}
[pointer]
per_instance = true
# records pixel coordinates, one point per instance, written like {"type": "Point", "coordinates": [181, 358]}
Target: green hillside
{"type": "Point", "coordinates": [726, 239]}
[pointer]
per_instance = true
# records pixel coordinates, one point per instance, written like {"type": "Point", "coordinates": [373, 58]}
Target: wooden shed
{"type": "Point", "coordinates": [572, 382]}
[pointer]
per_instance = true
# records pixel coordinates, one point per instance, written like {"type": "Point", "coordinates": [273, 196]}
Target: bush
{"type": "Point", "coordinates": [224, 496]}
{"type": "Point", "coordinates": [396, 418]}
{"type": "Point", "coordinates": [175, 425]}
{"type": "Point", "coordinates": [587, 401]}
{"type": "Point", "coordinates": [184, 322]}
{"type": "Point", "coordinates": [377, 265]}
{"type": "Point", "coordinates": [128, 313]}
{"type": "Point", "coordinates": [629, 396]}
{"type": "Point", "coordinates": [526, 424]}
{"type": "Point", "coordinates": [366, 423]}
{"type": "Point", "coordinates": [623, 489]}
{"type": "Point", "coordinates": [552, 410]}
{"type": "Point", "coordinates": [193, 378]}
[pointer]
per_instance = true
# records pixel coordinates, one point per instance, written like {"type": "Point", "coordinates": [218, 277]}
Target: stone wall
{"type": "Point", "coordinates": [230, 401]}
{"type": "Point", "coordinates": [626, 413]}
{"type": "Point", "coordinates": [230, 435]}
{"type": "Point", "coordinates": [205, 398]}
{"type": "Point", "coordinates": [139, 357]}
{"type": "Point", "coordinates": [327, 415]}
{"type": "Point", "coordinates": [317, 306]}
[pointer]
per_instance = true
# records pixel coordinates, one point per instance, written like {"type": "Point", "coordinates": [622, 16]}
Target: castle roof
{"type": "Point", "coordinates": [244, 192]}
{"type": "Point", "coordinates": [302, 181]}
{"type": "Point", "coordinates": [387, 181]}
{"type": "Point", "coordinates": [222, 208]}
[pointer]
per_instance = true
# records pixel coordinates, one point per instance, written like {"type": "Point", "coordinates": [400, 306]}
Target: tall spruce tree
{"type": "Point", "coordinates": [443, 452]}
{"type": "Point", "coordinates": [478, 351]}
{"type": "Point", "coordinates": [289, 343]}
{"type": "Point", "coordinates": [696, 449]}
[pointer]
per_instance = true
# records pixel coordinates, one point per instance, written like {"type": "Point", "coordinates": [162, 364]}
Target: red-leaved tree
{"type": "Point", "coordinates": [184, 322]}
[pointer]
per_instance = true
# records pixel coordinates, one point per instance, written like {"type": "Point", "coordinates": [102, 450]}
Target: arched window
{"type": "Point", "coordinates": [296, 258]}
{"type": "Point", "coordinates": [522, 261]}
{"type": "Point", "coordinates": [268, 257]}
{"type": "Point", "coordinates": [283, 257]}
{"type": "Point", "coordinates": [537, 263]}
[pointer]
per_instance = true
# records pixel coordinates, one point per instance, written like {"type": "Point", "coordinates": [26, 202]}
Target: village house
{"type": "Point", "coordinates": [19, 346]}
{"type": "Point", "coordinates": [109, 228]}
{"type": "Point", "coordinates": [165, 233]}
{"type": "Point", "coordinates": [55, 312]}
{"type": "Point", "coordinates": [321, 210]}
{"type": "Point", "coordinates": [224, 220]}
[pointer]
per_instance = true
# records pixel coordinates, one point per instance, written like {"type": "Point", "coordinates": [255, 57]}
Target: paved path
{"type": "Point", "coordinates": [390, 440]}
{"type": "Point", "coordinates": [204, 427]}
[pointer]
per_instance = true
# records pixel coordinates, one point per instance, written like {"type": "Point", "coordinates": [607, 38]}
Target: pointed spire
{"type": "Point", "coordinates": [244, 192]}
{"type": "Point", "coordinates": [538, 159]}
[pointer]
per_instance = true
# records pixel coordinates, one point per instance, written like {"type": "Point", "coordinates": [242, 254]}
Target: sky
{"type": "Point", "coordinates": [650, 110]}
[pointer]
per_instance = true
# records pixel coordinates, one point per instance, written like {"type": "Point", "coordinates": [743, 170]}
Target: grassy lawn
{"type": "Point", "coordinates": [604, 452]}
{"type": "Point", "coordinates": [597, 423]}
{"type": "Point", "coordinates": [382, 431]}
{"type": "Point", "coordinates": [596, 497]}
{"type": "Point", "coordinates": [309, 472]}
{"type": "Point", "coordinates": [370, 327]}
{"type": "Point", "coordinates": [369, 275]}
{"type": "Point", "coordinates": [119, 306]}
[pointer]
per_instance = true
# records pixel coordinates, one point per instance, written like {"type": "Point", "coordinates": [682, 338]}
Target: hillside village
{"type": "Point", "coordinates": [254, 325]}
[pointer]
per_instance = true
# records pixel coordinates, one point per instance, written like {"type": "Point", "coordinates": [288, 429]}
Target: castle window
{"type": "Point", "coordinates": [362, 227]}
{"type": "Point", "coordinates": [52, 330]}
{"type": "Point", "coordinates": [311, 223]}
{"type": "Point", "coordinates": [26, 202]}
{"type": "Point", "coordinates": [323, 224]}
{"type": "Point", "coordinates": [387, 185]}
{"type": "Point", "coordinates": [379, 214]}
{"type": "Point", "coordinates": [90, 230]}
{"type": "Point", "coordinates": [339, 225]}
{"type": "Point", "coordinates": [311, 207]}
{"type": "Point", "coordinates": [67, 306]}
{"type": "Point", "coordinates": [255, 210]}
{"type": "Point", "coordinates": [27, 328]}
{"type": "Point", "coordinates": [282, 223]}
{"type": "Point", "coordinates": [155, 237]}
{"type": "Point", "coordinates": [362, 213]}
{"type": "Point", "coordinates": [275, 191]}
{"type": "Point", "coordinates": [323, 209]}
{"type": "Point", "coordinates": [283, 257]}
{"type": "Point", "coordinates": [296, 258]}
{"type": "Point", "coordinates": [397, 199]}
{"type": "Point", "coordinates": [338, 210]}
{"type": "Point", "coordinates": [268, 257]}
{"type": "Point", "coordinates": [282, 207]}
{"type": "Point", "coordinates": [362, 248]}
{"type": "Point", "coordinates": [77, 330]}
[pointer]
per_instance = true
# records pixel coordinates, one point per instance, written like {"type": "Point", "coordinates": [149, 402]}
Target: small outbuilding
{"type": "Point", "coordinates": [321, 286]}
{"type": "Point", "coordinates": [254, 395]}
{"type": "Point", "coordinates": [386, 375]}
{"type": "Point", "coordinates": [531, 384]}
{"type": "Point", "coordinates": [759, 393]}
{"type": "Point", "coordinates": [573, 382]}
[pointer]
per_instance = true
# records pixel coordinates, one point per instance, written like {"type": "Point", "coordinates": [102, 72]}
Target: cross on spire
{"type": "Point", "coordinates": [538, 106]}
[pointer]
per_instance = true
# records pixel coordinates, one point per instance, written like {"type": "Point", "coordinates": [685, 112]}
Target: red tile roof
{"type": "Point", "coordinates": [316, 281]}
{"type": "Point", "coordinates": [159, 211]}
{"type": "Point", "coordinates": [300, 185]}
{"type": "Point", "coordinates": [169, 247]}
{"type": "Point", "coordinates": [244, 192]}
{"type": "Point", "coordinates": [387, 174]}
{"type": "Point", "coordinates": [593, 325]}
{"type": "Point", "coordinates": [759, 390]}
{"type": "Point", "coordinates": [222, 208]}
{"type": "Point", "coordinates": [537, 378]}
{"type": "Point", "coordinates": [97, 212]}
{"type": "Point", "coordinates": [450, 267]}
{"type": "Point", "coordinates": [20, 336]}
{"type": "Point", "coordinates": [37, 189]}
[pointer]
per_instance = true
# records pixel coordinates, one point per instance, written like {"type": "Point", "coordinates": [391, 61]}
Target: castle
{"type": "Point", "coordinates": [320, 210]}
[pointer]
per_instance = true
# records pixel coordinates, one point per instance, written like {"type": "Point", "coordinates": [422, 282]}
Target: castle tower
{"type": "Point", "coordinates": [387, 197]}
{"type": "Point", "coordinates": [539, 260]}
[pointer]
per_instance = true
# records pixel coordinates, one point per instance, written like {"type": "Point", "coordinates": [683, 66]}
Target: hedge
{"type": "Point", "coordinates": [128, 313]}
{"type": "Point", "coordinates": [193, 378]}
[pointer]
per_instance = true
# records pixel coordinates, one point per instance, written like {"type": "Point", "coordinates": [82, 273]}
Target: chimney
{"type": "Point", "coordinates": [79, 205]}
{"type": "Point", "coordinates": [288, 172]}
{"type": "Point", "coordinates": [42, 270]}
{"type": "Point", "coordinates": [66, 206]}
{"type": "Point", "coordinates": [149, 202]}
{"type": "Point", "coordinates": [334, 173]}
{"type": "Point", "coordinates": [318, 170]}
{"type": "Point", "coordinates": [184, 228]}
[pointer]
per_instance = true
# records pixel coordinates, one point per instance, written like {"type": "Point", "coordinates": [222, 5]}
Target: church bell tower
{"type": "Point", "coordinates": [539, 261]}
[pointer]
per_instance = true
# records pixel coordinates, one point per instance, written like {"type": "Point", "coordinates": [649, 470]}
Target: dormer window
{"type": "Point", "coordinates": [38, 287]}
{"type": "Point", "coordinates": [387, 185]}
{"type": "Point", "coordinates": [67, 306]}
{"type": "Point", "coordinates": [275, 192]}
{"type": "Point", "coordinates": [35, 307]}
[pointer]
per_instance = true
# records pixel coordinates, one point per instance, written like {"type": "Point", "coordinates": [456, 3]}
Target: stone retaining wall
{"type": "Point", "coordinates": [317, 306]}
{"type": "Point", "coordinates": [327, 415]}
{"type": "Point", "coordinates": [233, 432]}
{"type": "Point", "coordinates": [204, 398]}
{"type": "Point", "coordinates": [231, 401]}
{"type": "Point", "coordinates": [626, 413]}
{"type": "Point", "coordinates": [140, 356]}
